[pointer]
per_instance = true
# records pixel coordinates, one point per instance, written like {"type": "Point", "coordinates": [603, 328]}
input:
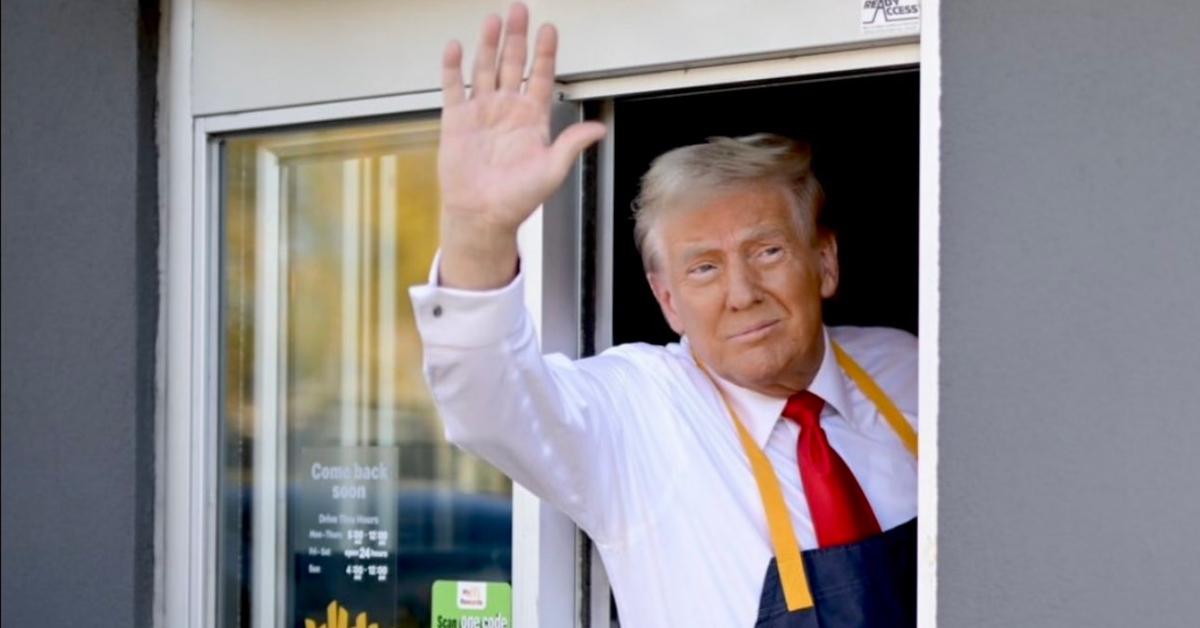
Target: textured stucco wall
{"type": "Point", "coordinates": [1070, 314]}
{"type": "Point", "coordinates": [79, 312]}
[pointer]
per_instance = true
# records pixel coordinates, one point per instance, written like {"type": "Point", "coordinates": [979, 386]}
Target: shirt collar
{"type": "Point", "coordinates": [759, 412]}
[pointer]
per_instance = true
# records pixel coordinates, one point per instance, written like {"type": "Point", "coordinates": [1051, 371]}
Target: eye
{"type": "Point", "coordinates": [771, 252]}
{"type": "Point", "coordinates": [702, 270]}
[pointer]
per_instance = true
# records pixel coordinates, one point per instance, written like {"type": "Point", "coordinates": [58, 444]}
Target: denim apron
{"type": "Point", "coordinates": [867, 584]}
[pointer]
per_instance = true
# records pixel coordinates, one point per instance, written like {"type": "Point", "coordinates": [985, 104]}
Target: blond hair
{"type": "Point", "coordinates": [722, 163]}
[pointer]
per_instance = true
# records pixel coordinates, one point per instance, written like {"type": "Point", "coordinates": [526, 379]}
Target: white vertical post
{"type": "Point", "coordinates": [600, 590]}
{"type": "Point", "coordinates": [543, 538]}
{"type": "Point", "coordinates": [387, 300]}
{"type": "Point", "coordinates": [268, 326]}
{"type": "Point", "coordinates": [366, 307]}
{"type": "Point", "coordinates": [178, 577]}
{"type": "Point", "coordinates": [348, 419]}
{"type": "Point", "coordinates": [928, 304]}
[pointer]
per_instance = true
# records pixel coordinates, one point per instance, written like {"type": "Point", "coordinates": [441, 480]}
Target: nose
{"type": "Point", "coordinates": [743, 289]}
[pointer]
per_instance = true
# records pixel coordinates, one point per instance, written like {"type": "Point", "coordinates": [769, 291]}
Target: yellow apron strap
{"type": "Point", "coordinates": [894, 417]}
{"type": "Point", "coordinates": [783, 536]}
{"type": "Point", "coordinates": [779, 522]}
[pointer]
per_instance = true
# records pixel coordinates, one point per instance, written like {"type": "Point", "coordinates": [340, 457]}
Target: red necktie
{"type": "Point", "coordinates": [841, 513]}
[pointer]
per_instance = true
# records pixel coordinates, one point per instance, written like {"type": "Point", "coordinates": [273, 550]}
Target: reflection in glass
{"type": "Point", "coordinates": [339, 494]}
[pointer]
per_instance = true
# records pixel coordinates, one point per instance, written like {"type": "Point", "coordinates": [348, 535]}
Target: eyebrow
{"type": "Point", "coordinates": [693, 251]}
{"type": "Point", "coordinates": [764, 233]}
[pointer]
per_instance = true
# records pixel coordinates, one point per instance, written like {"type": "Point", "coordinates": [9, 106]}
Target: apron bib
{"type": "Point", "coordinates": [868, 584]}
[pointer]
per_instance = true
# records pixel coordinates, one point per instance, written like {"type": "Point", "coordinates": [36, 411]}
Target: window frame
{"type": "Point", "coordinates": [547, 549]}
{"type": "Point", "coordinates": [542, 537]}
{"type": "Point", "coordinates": [270, 453]}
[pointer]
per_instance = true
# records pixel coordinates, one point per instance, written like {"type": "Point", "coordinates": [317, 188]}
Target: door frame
{"type": "Point", "coordinates": [545, 543]}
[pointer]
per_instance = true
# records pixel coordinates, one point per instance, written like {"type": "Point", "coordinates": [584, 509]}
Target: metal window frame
{"type": "Point", "coordinates": [541, 537]}
{"type": "Point", "coordinates": [270, 455]}
{"type": "Point", "coordinates": [544, 541]}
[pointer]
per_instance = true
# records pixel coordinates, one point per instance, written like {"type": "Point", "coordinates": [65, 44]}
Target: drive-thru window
{"type": "Point", "coordinates": [317, 479]}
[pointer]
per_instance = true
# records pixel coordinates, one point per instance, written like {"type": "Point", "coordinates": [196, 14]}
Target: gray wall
{"type": "Point", "coordinates": [1070, 359]}
{"type": "Point", "coordinates": [79, 310]}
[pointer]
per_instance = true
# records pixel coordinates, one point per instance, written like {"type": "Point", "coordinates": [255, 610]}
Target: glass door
{"type": "Point", "coordinates": [340, 502]}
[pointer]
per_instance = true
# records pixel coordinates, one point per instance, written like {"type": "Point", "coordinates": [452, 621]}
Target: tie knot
{"type": "Point", "coordinates": [804, 408]}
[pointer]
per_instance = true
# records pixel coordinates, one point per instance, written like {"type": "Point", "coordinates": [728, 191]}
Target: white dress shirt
{"type": "Point", "coordinates": [635, 445]}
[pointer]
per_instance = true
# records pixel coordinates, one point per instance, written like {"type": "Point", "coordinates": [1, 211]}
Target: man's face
{"type": "Point", "coordinates": [743, 280]}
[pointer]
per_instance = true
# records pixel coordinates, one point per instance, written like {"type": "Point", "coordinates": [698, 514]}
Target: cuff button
{"type": "Point", "coordinates": [437, 311]}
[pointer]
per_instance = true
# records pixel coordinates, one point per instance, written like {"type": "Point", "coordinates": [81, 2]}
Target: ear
{"type": "Point", "coordinates": [827, 250]}
{"type": "Point", "coordinates": [666, 301]}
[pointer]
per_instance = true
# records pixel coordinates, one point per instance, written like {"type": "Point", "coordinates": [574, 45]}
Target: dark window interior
{"type": "Point", "coordinates": [864, 133]}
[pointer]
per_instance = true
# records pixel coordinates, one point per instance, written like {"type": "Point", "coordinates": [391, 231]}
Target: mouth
{"type": "Point", "coordinates": [755, 332]}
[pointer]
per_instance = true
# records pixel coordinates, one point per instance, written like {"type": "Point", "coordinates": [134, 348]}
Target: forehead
{"type": "Point", "coordinates": [729, 217]}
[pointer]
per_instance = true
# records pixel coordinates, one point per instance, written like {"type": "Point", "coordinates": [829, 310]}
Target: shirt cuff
{"type": "Point", "coordinates": [454, 317]}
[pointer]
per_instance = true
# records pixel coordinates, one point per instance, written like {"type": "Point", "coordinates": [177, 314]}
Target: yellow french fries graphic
{"type": "Point", "coordinates": [336, 616]}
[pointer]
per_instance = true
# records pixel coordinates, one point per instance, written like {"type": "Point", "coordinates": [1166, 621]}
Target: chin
{"type": "Point", "coordinates": [755, 372]}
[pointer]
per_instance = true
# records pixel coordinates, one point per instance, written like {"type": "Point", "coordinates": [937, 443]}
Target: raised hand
{"type": "Point", "coordinates": [496, 162]}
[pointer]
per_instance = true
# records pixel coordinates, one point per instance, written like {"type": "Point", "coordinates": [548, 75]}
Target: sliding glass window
{"type": "Point", "coordinates": [339, 500]}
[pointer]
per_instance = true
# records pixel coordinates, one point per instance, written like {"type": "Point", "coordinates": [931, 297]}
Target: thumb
{"type": "Point", "coordinates": [573, 141]}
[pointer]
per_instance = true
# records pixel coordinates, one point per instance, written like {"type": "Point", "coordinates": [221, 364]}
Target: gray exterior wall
{"type": "Point", "coordinates": [1070, 314]}
{"type": "Point", "coordinates": [79, 312]}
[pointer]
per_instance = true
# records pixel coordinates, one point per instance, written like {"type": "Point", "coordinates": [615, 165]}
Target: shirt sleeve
{"type": "Point", "coordinates": [547, 422]}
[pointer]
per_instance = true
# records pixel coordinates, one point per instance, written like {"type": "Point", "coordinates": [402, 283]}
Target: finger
{"type": "Point", "coordinates": [512, 60]}
{"type": "Point", "coordinates": [541, 76]}
{"type": "Point", "coordinates": [484, 80]}
{"type": "Point", "coordinates": [573, 141]}
{"type": "Point", "coordinates": [452, 82]}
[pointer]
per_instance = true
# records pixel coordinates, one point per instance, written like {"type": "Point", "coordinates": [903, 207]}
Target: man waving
{"type": "Point", "coordinates": [761, 471]}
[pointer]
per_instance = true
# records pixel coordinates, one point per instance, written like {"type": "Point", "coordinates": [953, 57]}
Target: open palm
{"type": "Point", "coordinates": [496, 161]}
